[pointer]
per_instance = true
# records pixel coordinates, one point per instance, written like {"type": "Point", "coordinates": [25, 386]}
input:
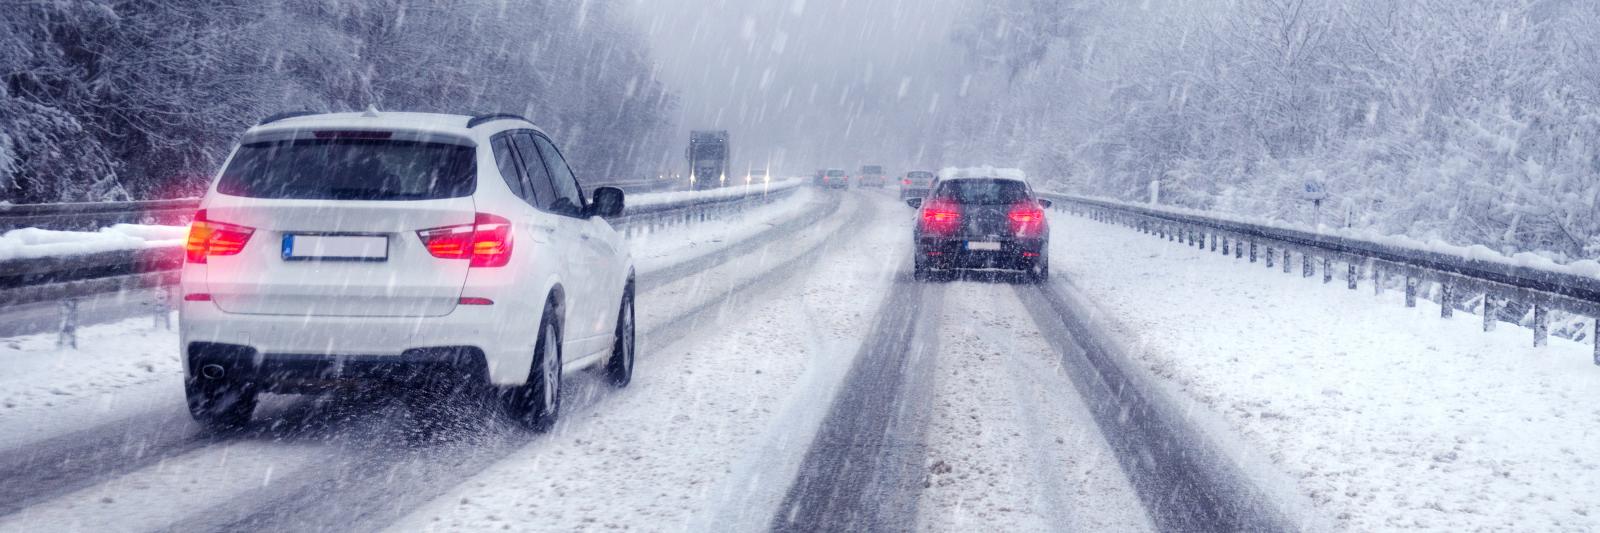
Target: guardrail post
{"type": "Point", "coordinates": [68, 335]}
{"type": "Point", "coordinates": [1447, 300]}
{"type": "Point", "coordinates": [1307, 269]}
{"type": "Point", "coordinates": [1272, 255]}
{"type": "Point", "coordinates": [1252, 251]}
{"type": "Point", "coordinates": [1286, 260]}
{"type": "Point", "coordinates": [1489, 312]}
{"type": "Point", "coordinates": [1541, 325]}
{"type": "Point", "coordinates": [161, 310]}
{"type": "Point", "coordinates": [1411, 290]}
{"type": "Point", "coordinates": [1377, 279]}
{"type": "Point", "coordinates": [1595, 340]}
{"type": "Point", "coordinates": [1225, 250]}
{"type": "Point", "coordinates": [1327, 270]}
{"type": "Point", "coordinates": [1351, 275]}
{"type": "Point", "coordinates": [1214, 239]}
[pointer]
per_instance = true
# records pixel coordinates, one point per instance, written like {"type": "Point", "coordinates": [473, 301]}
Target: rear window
{"type": "Point", "coordinates": [835, 172]}
{"type": "Point", "coordinates": [983, 191]}
{"type": "Point", "coordinates": [871, 169]}
{"type": "Point", "coordinates": [919, 175]}
{"type": "Point", "coordinates": [709, 151]}
{"type": "Point", "coordinates": [350, 169]}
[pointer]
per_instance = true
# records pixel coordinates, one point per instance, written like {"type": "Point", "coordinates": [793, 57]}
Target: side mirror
{"type": "Point", "coordinates": [607, 202]}
{"type": "Point", "coordinates": [914, 202]}
{"type": "Point", "coordinates": [1045, 203]}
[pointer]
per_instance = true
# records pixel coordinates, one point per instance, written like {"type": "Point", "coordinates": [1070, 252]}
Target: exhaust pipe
{"type": "Point", "coordinates": [212, 371]}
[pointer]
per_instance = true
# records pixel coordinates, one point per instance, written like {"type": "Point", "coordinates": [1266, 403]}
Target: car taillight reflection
{"type": "Point", "coordinates": [941, 217]}
{"type": "Point", "coordinates": [1027, 219]}
{"type": "Point", "coordinates": [208, 237]}
{"type": "Point", "coordinates": [486, 241]}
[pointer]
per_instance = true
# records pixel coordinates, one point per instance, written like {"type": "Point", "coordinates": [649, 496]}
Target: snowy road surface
{"type": "Point", "coordinates": [792, 377]}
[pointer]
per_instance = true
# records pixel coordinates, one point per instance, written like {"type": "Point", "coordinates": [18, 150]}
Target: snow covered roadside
{"type": "Point", "coordinates": [709, 436]}
{"type": "Point", "coordinates": [734, 191]}
{"type": "Point", "coordinates": [1012, 447]}
{"type": "Point", "coordinates": [1388, 417]}
{"type": "Point", "coordinates": [673, 245]}
{"type": "Point", "coordinates": [28, 243]}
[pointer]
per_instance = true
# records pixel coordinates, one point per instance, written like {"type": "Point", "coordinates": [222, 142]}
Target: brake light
{"type": "Point", "coordinates": [1027, 219]}
{"type": "Point", "coordinates": [208, 237]}
{"type": "Point", "coordinates": [941, 217]}
{"type": "Point", "coordinates": [486, 241]}
{"type": "Point", "coordinates": [905, 182]}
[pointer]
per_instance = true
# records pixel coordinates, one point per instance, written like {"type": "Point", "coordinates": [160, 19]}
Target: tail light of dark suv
{"type": "Point", "coordinates": [941, 217]}
{"type": "Point", "coordinates": [486, 241]}
{"type": "Point", "coordinates": [1027, 219]}
{"type": "Point", "coordinates": [208, 238]}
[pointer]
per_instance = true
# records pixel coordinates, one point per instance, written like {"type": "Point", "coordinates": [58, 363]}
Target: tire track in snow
{"type": "Point", "coordinates": [1185, 485]}
{"type": "Point", "coordinates": [864, 469]}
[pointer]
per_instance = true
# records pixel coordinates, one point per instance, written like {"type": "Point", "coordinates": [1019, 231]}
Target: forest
{"type": "Point", "coordinates": [1466, 121]}
{"type": "Point", "coordinates": [139, 99]}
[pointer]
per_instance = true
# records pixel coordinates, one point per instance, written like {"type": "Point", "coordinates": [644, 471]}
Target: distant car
{"type": "Point", "coordinates": [836, 179]}
{"type": "Point", "coordinates": [916, 184]}
{"type": "Point", "coordinates": [981, 222]}
{"type": "Point", "coordinates": [411, 248]}
{"type": "Point", "coordinates": [756, 176]}
{"type": "Point", "coordinates": [871, 176]}
{"type": "Point", "coordinates": [818, 178]}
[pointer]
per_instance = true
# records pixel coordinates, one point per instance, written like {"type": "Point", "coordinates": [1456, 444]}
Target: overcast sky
{"type": "Point", "coordinates": [804, 84]}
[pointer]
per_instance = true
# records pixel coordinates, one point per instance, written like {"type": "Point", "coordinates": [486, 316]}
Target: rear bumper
{"type": "Point", "coordinates": [913, 192]}
{"type": "Point", "coordinates": [1015, 254]}
{"type": "Point", "coordinates": [308, 372]}
{"type": "Point", "coordinates": [291, 349]}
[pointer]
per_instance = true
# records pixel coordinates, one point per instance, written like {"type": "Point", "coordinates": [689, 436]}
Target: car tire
{"type": "Point", "coordinates": [220, 404]}
{"type": "Point", "coordinates": [1040, 272]}
{"type": "Point", "coordinates": [920, 271]}
{"type": "Point", "coordinates": [619, 369]}
{"type": "Point", "coordinates": [537, 403]}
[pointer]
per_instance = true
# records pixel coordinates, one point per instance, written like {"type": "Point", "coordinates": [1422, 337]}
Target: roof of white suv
{"type": "Point", "coordinates": [397, 120]}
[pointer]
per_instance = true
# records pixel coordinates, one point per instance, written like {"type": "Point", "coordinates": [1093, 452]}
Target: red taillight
{"type": "Point", "coordinates": [197, 297]}
{"type": "Point", "coordinates": [486, 241]}
{"type": "Point", "coordinates": [473, 300]}
{"type": "Point", "coordinates": [1027, 219]}
{"type": "Point", "coordinates": [208, 237]}
{"type": "Point", "coordinates": [905, 182]}
{"type": "Point", "coordinates": [941, 217]}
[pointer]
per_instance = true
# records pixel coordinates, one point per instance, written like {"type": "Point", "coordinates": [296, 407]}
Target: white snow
{"type": "Point", "coordinates": [996, 460]}
{"type": "Point", "coordinates": [653, 250]}
{"type": "Point", "coordinates": [732, 191]}
{"type": "Point", "coordinates": [29, 243]}
{"type": "Point", "coordinates": [1388, 417]}
{"type": "Point", "coordinates": [39, 377]}
{"type": "Point", "coordinates": [985, 171]}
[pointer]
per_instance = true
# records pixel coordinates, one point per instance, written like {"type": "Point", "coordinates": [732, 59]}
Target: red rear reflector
{"type": "Point", "coordinates": [486, 241]}
{"type": "Point", "coordinates": [353, 134]}
{"type": "Point", "coordinates": [197, 297]}
{"type": "Point", "coordinates": [475, 301]}
{"type": "Point", "coordinates": [208, 237]}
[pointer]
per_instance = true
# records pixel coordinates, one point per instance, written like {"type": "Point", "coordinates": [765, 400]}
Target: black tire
{"type": "Point", "coordinates": [219, 404]}
{"type": "Point", "coordinates": [1040, 272]}
{"type": "Point", "coordinates": [619, 369]}
{"type": "Point", "coordinates": [919, 269]}
{"type": "Point", "coordinates": [537, 403]}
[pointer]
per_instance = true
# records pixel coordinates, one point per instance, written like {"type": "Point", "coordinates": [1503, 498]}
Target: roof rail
{"type": "Point", "coordinates": [480, 119]}
{"type": "Point", "coordinates": [284, 115]}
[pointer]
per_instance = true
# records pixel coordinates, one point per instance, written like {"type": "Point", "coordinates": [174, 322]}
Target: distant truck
{"type": "Point", "coordinates": [708, 156]}
{"type": "Point", "coordinates": [871, 176]}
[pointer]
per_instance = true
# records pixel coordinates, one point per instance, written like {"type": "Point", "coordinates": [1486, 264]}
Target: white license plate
{"type": "Point", "coordinates": [984, 246]}
{"type": "Point", "coordinates": [335, 247]}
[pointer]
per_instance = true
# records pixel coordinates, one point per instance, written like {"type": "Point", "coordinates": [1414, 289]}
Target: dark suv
{"type": "Point", "coordinates": [982, 222]}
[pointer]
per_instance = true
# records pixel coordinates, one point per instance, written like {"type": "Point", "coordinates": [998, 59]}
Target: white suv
{"type": "Point", "coordinates": [433, 250]}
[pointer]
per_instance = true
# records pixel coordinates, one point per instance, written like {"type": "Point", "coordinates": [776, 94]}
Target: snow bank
{"type": "Point", "coordinates": [985, 171]}
{"type": "Point", "coordinates": [29, 243]}
{"type": "Point", "coordinates": [660, 198]}
{"type": "Point", "coordinates": [1388, 417]}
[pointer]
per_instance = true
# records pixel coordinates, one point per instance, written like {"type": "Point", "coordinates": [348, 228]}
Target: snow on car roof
{"type": "Point", "coordinates": [396, 120]}
{"type": "Point", "coordinates": [985, 171]}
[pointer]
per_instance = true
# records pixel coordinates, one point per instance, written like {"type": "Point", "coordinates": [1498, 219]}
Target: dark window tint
{"type": "Point", "coordinates": [835, 173]}
{"type": "Point", "coordinates": [871, 169]}
{"type": "Point", "coordinates": [920, 175]}
{"type": "Point", "coordinates": [569, 200]}
{"type": "Point", "coordinates": [538, 177]}
{"type": "Point", "coordinates": [510, 169]}
{"type": "Point", "coordinates": [350, 169]}
{"type": "Point", "coordinates": [709, 151]}
{"type": "Point", "coordinates": [983, 191]}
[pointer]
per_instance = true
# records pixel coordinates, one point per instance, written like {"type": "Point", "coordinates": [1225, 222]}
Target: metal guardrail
{"type": "Point", "coordinates": [1499, 283]}
{"type": "Point", "coordinates": [65, 278]}
{"type": "Point", "coordinates": [91, 215]}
